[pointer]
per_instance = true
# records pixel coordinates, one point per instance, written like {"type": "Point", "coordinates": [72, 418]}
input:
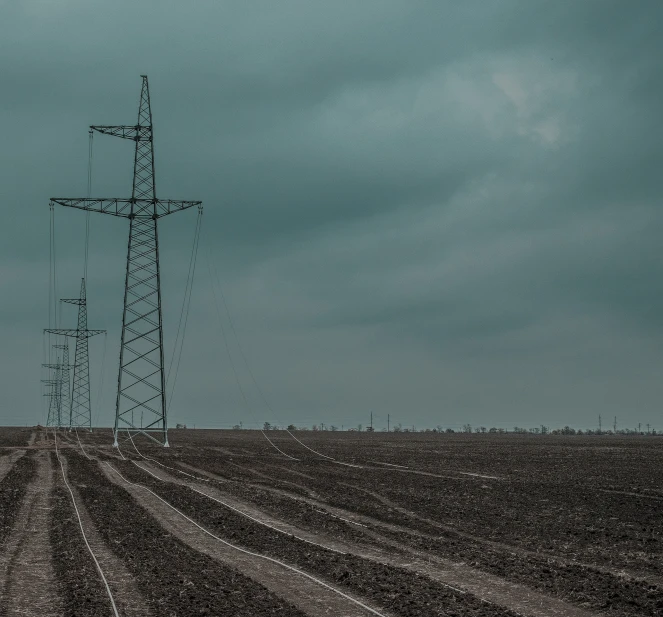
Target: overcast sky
{"type": "Point", "coordinates": [448, 212]}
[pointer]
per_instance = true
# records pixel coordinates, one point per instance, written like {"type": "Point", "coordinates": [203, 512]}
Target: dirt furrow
{"type": "Point", "coordinates": [81, 586]}
{"type": "Point", "coordinates": [173, 577]}
{"type": "Point", "coordinates": [26, 573]}
{"type": "Point", "coordinates": [430, 528]}
{"type": "Point", "coordinates": [491, 589]}
{"type": "Point", "coordinates": [585, 586]}
{"type": "Point", "coordinates": [7, 461]}
{"type": "Point", "coordinates": [304, 593]}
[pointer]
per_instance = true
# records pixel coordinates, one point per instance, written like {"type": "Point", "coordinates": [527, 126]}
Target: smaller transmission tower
{"type": "Point", "coordinates": [54, 406]}
{"type": "Point", "coordinates": [55, 385]}
{"type": "Point", "coordinates": [62, 383]}
{"type": "Point", "coordinates": [80, 413]}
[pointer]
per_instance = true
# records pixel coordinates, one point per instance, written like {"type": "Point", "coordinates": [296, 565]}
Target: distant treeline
{"type": "Point", "coordinates": [467, 428]}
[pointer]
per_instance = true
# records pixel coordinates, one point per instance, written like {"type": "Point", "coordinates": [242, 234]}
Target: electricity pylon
{"type": "Point", "coordinates": [65, 385]}
{"type": "Point", "coordinates": [80, 413]}
{"type": "Point", "coordinates": [54, 405]}
{"type": "Point", "coordinates": [59, 405]}
{"type": "Point", "coordinates": [141, 387]}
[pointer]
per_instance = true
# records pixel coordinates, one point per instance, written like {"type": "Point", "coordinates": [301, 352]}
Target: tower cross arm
{"type": "Point", "coordinates": [135, 133]}
{"type": "Point", "coordinates": [127, 208]}
{"type": "Point", "coordinates": [114, 206]}
{"type": "Point", "coordinates": [76, 333]}
{"type": "Point", "coordinates": [168, 206]}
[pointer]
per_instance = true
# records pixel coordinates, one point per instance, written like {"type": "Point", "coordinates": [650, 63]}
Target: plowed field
{"type": "Point", "coordinates": [347, 524]}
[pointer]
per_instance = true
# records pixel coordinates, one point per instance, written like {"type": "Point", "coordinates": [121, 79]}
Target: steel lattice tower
{"type": "Point", "coordinates": [54, 409]}
{"type": "Point", "coordinates": [65, 386]}
{"type": "Point", "coordinates": [80, 413]}
{"type": "Point", "coordinates": [54, 405]}
{"type": "Point", "coordinates": [141, 389]}
{"type": "Point", "coordinates": [59, 404]}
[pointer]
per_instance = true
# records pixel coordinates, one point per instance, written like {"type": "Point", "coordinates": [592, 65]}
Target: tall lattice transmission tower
{"type": "Point", "coordinates": [141, 390]}
{"type": "Point", "coordinates": [80, 412]}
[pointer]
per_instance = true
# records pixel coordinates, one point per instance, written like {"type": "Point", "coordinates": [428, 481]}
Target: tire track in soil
{"type": "Point", "coordinates": [611, 588]}
{"type": "Point", "coordinates": [27, 578]}
{"type": "Point", "coordinates": [218, 478]}
{"type": "Point", "coordinates": [310, 597]}
{"type": "Point", "coordinates": [129, 600]}
{"type": "Point", "coordinates": [364, 519]}
{"type": "Point", "coordinates": [485, 586]}
{"type": "Point", "coordinates": [176, 579]}
{"type": "Point", "coordinates": [7, 461]}
{"type": "Point", "coordinates": [621, 573]}
{"type": "Point", "coordinates": [605, 581]}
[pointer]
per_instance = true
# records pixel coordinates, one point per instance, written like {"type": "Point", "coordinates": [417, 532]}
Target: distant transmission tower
{"type": "Point", "coordinates": [54, 405]}
{"type": "Point", "coordinates": [65, 386]}
{"type": "Point", "coordinates": [80, 413]}
{"type": "Point", "coordinates": [58, 389]}
{"type": "Point", "coordinates": [141, 389]}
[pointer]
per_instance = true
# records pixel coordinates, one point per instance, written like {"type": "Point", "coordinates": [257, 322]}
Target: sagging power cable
{"type": "Point", "coordinates": [232, 362]}
{"type": "Point", "coordinates": [257, 385]}
{"type": "Point", "coordinates": [101, 382]}
{"type": "Point", "coordinates": [87, 213]}
{"type": "Point", "coordinates": [147, 458]}
{"type": "Point", "coordinates": [184, 311]}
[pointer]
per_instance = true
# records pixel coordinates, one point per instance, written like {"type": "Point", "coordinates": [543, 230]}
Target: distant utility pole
{"type": "Point", "coordinates": [647, 428]}
{"type": "Point", "coordinates": [614, 425]}
{"type": "Point", "coordinates": [387, 423]}
{"type": "Point", "coordinates": [371, 420]}
{"type": "Point", "coordinates": [639, 431]}
{"type": "Point", "coordinates": [600, 431]}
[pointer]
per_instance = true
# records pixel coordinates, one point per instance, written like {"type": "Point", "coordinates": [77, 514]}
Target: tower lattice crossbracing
{"type": "Point", "coordinates": [141, 393]}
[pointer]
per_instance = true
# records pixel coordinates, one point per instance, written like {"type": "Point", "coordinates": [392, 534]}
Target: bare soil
{"type": "Point", "coordinates": [27, 584]}
{"type": "Point", "coordinates": [408, 524]}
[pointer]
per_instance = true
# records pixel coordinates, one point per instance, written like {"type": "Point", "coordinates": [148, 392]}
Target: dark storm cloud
{"type": "Point", "coordinates": [445, 211]}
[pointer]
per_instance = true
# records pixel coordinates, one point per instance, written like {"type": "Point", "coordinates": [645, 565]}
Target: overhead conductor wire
{"type": "Point", "coordinates": [87, 212]}
{"type": "Point", "coordinates": [257, 385]}
{"type": "Point", "coordinates": [86, 262]}
{"type": "Point", "coordinates": [232, 363]}
{"type": "Point", "coordinates": [186, 304]}
{"type": "Point", "coordinates": [147, 458]}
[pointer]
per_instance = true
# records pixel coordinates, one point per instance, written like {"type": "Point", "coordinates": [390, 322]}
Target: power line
{"type": "Point", "coordinates": [186, 302]}
{"type": "Point", "coordinates": [232, 362]}
{"type": "Point", "coordinates": [87, 214]}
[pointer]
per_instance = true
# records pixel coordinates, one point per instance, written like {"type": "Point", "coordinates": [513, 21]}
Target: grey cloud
{"type": "Point", "coordinates": [444, 211]}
